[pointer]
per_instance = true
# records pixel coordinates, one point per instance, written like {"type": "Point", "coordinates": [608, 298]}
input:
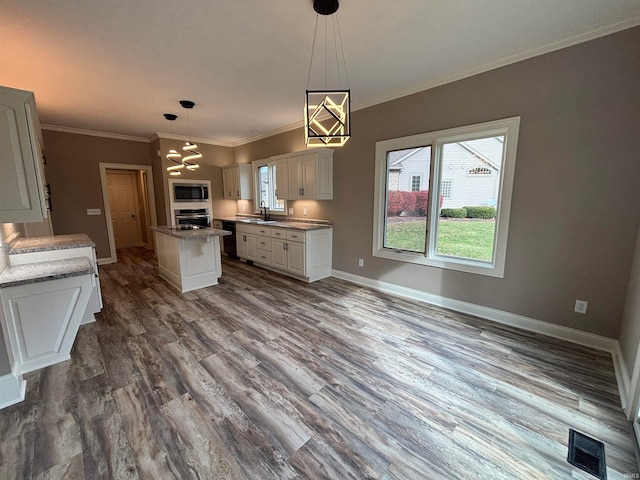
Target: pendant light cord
{"type": "Point", "coordinates": [337, 38]}
{"type": "Point", "coordinates": [313, 47]}
{"type": "Point", "coordinates": [344, 62]}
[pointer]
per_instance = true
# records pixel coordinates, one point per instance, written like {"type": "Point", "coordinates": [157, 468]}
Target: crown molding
{"type": "Point", "coordinates": [93, 133]}
{"type": "Point", "coordinates": [172, 136]}
{"type": "Point", "coordinates": [551, 47]}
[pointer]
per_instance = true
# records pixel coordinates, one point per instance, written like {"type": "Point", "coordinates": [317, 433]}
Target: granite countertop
{"type": "Point", "coordinates": [52, 242]}
{"type": "Point", "coordinates": [190, 234]}
{"type": "Point", "coordinates": [16, 275]}
{"type": "Point", "coordinates": [293, 223]}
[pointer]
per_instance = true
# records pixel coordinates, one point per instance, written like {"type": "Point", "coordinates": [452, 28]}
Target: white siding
{"type": "Point", "coordinates": [466, 189]}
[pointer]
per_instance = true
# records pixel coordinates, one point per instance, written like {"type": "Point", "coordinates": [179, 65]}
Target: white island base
{"type": "Point", "coordinates": [190, 259]}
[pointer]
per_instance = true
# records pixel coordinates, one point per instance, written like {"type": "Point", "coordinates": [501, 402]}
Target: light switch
{"type": "Point", "coordinates": [94, 211]}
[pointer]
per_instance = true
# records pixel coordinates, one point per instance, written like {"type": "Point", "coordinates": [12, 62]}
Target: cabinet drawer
{"type": "Point", "coordinates": [263, 231]}
{"type": "Point", "coordinates": [264, 243]}
{"type": "Point", "coordinates": [264, 256]}
{"type": "Point", "coordinates": [278, 233]}
{"type": "Point", "coordinates": [245, 228]}
{"type": "Point", "coordinates": [295, 235]}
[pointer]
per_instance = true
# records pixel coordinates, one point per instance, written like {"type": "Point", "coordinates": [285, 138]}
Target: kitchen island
{"type": "Point", "coordinates": [189, 258]}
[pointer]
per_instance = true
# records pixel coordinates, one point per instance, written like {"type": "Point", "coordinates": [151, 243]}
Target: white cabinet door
{"type": "Point", "coordinates": [21, 190]}
{"type": "Point", "coordinates": [236, 182]}
{"type": "Point", "coordinates": [296, 257]}
{"type": "Point", "coordinates": [246, 245]}
{"type": "Point", "coordinates": [42, 319]}
{"type": "Point", "coordinates": [282, 178]}
{"type": "Point", "coordinates": [296, 177]}
{"type": "Point", "coordinates": [279, 257]}
{"type": "Point", "coordinates": [310, 176]}
{"type": "Point", "coordinates": [230, 183]}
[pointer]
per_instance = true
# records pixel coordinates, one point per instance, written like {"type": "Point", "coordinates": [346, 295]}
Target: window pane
{"type": "Point", "coordinates": [263, 182]}
{"type": "Point", "coordinates": [475, 167]}
{"type": "Point", "coordinates": [406, 212]}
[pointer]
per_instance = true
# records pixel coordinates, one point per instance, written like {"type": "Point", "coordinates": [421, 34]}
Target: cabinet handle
{"type": "Point", "coordinates": [262, 256]}
{"type": "Point", "coordinates": [238, 193]}
{"type": "Point", "coordinates": [302, 191]}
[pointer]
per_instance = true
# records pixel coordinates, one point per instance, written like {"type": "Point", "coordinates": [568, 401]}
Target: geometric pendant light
{"type": "Point", "coordinates": [327, 118]}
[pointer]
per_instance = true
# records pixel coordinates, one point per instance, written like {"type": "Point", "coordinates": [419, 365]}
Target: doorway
{"type": "Point", "coordinates": [129, 206]}
{"type": "Point", "coordinates": [125, 208]}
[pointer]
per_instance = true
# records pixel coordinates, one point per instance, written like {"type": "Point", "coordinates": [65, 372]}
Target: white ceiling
{"type": "Point", "coordinates": [117, 65]}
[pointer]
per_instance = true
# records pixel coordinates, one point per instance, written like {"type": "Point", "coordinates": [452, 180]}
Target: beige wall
{"type": "Point", "coordinates": [575, 210]}
{"type": "Point", "coordinates": [74, 174]}
{"type": "Point", "coordinates": [213, 157]}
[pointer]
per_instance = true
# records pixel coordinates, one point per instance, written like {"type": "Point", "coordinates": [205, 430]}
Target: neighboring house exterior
{"type": "Point", "coordinates": [471, 173]}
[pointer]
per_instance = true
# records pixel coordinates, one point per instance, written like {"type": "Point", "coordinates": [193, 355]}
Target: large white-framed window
{"type": "Point", "coordinates": [264, 180]}
{"type": "Point", "coordinates": [462, 229]}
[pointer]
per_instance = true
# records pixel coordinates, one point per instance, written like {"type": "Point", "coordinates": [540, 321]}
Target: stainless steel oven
{"type": "Point", "coordinates": [193, 216]}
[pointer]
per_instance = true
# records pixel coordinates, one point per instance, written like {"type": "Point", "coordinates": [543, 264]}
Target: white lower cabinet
{"type": "Point", "coordinates": [42, 319]}
{"type": "Point", "coordinates": [298, 253]}
{"type": "Point", "coordinates": [188, 263]}
{"type": "Point", "coordinates": [246, 242]}
{"type": "Point", "coordinates": [95, 300]}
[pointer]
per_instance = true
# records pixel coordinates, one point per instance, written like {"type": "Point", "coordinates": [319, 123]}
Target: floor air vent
{"type": "Point", "coordinates": [587, 454]}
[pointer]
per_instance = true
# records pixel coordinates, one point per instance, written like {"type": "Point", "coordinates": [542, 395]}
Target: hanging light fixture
{"type": "Point", "coordinates": [191, 149]}
{"type": "Point", "coordinates": [327, 116]}
{"type": "Point", "coordinates": [173, 155]}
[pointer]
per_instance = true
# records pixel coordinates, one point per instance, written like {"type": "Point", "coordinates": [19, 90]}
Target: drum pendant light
{"type": "Point", "coordinates": [327, 118]}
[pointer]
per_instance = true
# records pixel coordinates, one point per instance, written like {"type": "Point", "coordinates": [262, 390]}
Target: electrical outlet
{"type": "Point", "coordinates": [94, 211]}
{"type": "Point", "coordinates": [304, 212]}
{"type": "Point", "coordinates": [361, 262]}
{"type": "Point", "coordinates": [291, 211]}
{"type": "Point", "coordinates": [581, 306]}
{"type": "Point", "coordinates": [244, 208]}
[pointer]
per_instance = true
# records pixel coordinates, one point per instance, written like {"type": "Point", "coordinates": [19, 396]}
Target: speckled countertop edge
{"type": "Point", "coordinates": [53, 242]}
{"type": "Point", "coordinates": [191, 234]}
{"type": "Point", "coordinates": [29, 273]}
{"type": "Point", "coordinates": [291, 223]}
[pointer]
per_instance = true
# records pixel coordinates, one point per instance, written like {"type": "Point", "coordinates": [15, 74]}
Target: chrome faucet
{"type": "Point", "coordinates": [263, 209]}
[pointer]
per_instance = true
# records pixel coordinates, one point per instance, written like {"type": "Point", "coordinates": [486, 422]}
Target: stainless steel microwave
{"type": "Point", "coordinates": [190, 192]}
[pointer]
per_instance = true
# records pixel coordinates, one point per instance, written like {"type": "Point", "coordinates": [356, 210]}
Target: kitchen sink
{"type": "Point", "coordinates": [256, 220]}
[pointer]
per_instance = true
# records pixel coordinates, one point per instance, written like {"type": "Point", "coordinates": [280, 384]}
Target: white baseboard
{"type": "Point", "coordinates": [105, 261]}
{"type": "Point", "coordinates": [573, 335]}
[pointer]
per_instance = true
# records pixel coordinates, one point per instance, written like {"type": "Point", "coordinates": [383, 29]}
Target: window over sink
{"type": "Point", "coordinates": [264, 176]}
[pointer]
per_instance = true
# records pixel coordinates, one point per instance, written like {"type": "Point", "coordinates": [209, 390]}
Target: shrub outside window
{"type": "Point", "coordinates": [465, 229]}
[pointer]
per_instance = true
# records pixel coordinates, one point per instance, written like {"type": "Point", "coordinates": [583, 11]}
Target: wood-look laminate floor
{"type": "Point", "coordinates": [265, 377]}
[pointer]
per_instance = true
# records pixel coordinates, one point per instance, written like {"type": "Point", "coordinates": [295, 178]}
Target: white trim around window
{"type": "Point", "coordinates": [508, 128]}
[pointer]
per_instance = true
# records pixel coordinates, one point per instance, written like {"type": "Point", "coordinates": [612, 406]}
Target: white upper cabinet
{"type": "Point", "coordinates": [282, 178]}
{"type": "Point", "coordinates": [22, 191]}
{"type": "Point", "coordinates": [309, 175]}
{"type": "Point", "coordinates": [236, 181]}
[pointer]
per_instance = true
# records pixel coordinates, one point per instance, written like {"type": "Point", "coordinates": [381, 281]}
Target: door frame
{"type": "Point", "coordinates": [107, 209]}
